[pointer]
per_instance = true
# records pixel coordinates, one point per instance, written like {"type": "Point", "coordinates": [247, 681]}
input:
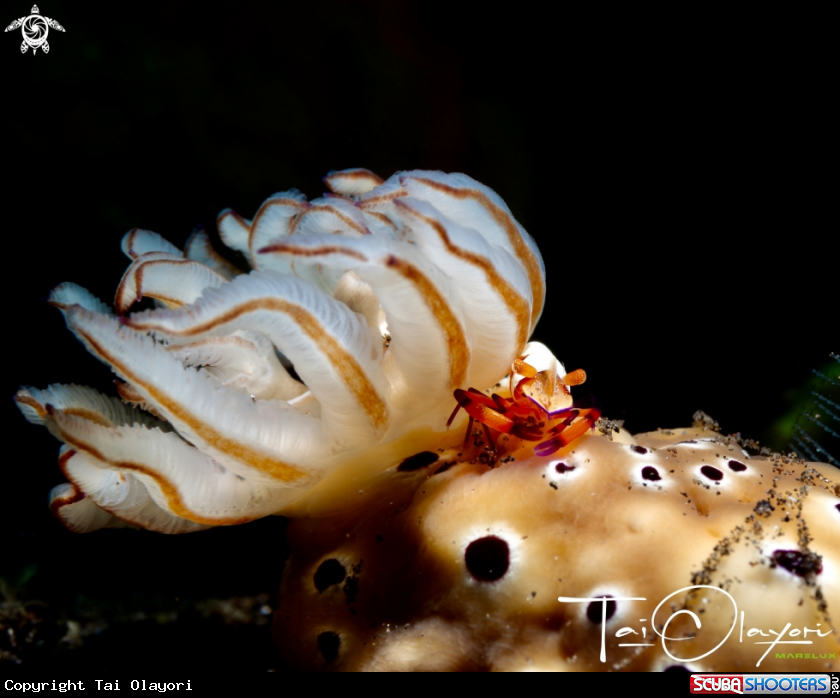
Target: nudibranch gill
{"type": "Point", "coordinates": [387, 298]}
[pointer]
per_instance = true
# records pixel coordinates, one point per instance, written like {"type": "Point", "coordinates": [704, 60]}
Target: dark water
{"type": "Point", "coordinates": [674, 181]}
{"type": "Point", "coordinates": [816, 432]}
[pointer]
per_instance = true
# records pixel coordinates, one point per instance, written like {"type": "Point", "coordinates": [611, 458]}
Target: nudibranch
{"type": "Point", "coordinates": [244, 395]}
{"type": "Point", "coordinates": [452, 507]}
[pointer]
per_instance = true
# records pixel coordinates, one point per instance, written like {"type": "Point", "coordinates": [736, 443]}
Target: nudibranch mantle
{"type": "Point", "coordinates": [385, 296]}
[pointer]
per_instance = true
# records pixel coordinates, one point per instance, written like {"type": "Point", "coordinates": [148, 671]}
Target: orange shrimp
{"type": "Point", "coordinates": [540, 409]}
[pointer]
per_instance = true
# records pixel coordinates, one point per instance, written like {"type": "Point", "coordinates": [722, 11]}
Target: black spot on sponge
{"type": "Point", "coordinates": [594, 611]}
{"type": "Point", "coordinates": [329, 572]}
{"type": "Point", "coordinates": [712, 473]}
{"type": "Point", "coordinates": [737, 466]}
{"type": "Point", "coordinates": [801, 564]}
{"type": "Point", "coordinates": [563, 468]}
{"type": "Point", "coordinates": [328, 643]}
{"type": "Point", "coordinates": [487, 558]}
{"type": "Point", "coordinates": [417, 461]}
{"type": "Point", "coordinates": [650, 473]}
{"type": "Point", "coordinates": [639, 449]}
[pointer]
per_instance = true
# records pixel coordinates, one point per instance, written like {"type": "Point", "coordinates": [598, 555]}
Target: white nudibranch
{"type": "Point", "coordinates": [385, 297]}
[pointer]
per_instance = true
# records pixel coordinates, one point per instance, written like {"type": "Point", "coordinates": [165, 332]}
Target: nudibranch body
{"type": "Point", "coordinates": [536, 542]}
{"type": "Point", "coordinates": [385, 297]}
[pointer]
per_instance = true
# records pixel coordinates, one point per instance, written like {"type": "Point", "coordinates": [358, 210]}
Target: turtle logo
{"type": "Point", "coordinates": [35, 28]}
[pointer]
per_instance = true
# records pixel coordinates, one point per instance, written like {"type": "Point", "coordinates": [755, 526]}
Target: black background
{"type": "Point", "coordinates": [673, 168]}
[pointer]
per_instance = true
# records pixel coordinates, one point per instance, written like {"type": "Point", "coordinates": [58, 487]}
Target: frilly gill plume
{"type": "Point", "coordinates": [385, 296]}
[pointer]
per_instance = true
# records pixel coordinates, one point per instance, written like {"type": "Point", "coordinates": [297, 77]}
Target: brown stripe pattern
{"type": "Point", "coordinates": [174, 502]}
{"type": "Point", "coordinates": [439, 307]}
{"type": "Point", "coordinates": [523, 252]}
{"type": "Point", "coordinates": [381, 323]}
{"type": "Point", "coordinates": [280, 470]}
{"type": "Point", "coordinates": [515, 303]}
{"type": "Point", "coordinates": [345, 365]}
